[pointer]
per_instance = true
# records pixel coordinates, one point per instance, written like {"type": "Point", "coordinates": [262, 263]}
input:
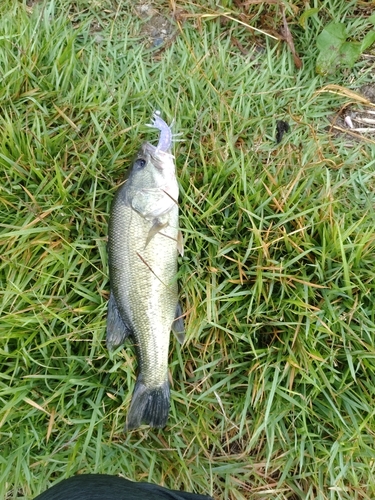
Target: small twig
{"type": "Point", "coordinates": [355, 133]}
{"type": "Point", "coordinates": [289, 40]}
{"type": "Point", "coordinates": [359, 119]}
{"type": "Point", "coordinates": [363, 130]}
{"type": "Point", "coordinates": [150, 268]}
{"type": "Point", "coordinates": [240, 47]}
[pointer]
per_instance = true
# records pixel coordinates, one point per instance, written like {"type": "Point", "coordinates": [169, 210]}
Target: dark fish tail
{"type": "Point", "coordinates": [149, 405]}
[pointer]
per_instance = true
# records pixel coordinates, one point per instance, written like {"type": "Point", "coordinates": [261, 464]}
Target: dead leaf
{"type": "Point", "coordinates": [287, 35]}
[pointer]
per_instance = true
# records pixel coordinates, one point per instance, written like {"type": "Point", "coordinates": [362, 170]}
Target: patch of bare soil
{"type": "Point", "coordinates": [158, 30]}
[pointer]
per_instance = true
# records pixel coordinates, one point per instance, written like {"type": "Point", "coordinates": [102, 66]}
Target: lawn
{"type": "Point", "coordinates": [273, 391]}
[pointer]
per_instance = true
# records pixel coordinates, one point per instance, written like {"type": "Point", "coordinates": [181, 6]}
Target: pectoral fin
{"type": "Point", "coordinates": [117, 331]}
{"type": "Point", "coordinates": [180, 243]}
{"type": "Point", "coordinates": [178, 325]}
{"type": "Point", "coordinates": [155, 228]}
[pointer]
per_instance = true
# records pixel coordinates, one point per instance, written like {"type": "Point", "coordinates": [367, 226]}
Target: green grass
{"type": "Point", "coordinates": [273, 391]}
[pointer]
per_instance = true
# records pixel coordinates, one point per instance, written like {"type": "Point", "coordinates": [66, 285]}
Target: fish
{"type": "Point", "coordinates": [144, 240]}
{"type": "Point", "coordinates": [106, 487]}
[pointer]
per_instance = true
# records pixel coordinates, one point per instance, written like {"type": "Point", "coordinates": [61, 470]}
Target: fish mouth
{"type": "Point", "coordinates": [159, 158]}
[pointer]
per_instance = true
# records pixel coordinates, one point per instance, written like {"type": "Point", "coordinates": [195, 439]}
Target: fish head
{"type": "Point", "coordinates": [152, 187]}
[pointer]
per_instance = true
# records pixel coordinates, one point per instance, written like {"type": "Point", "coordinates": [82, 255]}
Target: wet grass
{"type": "Point", "coordinates": [273, 390]}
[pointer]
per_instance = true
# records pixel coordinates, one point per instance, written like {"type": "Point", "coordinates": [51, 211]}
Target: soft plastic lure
{"type": "Point", "coordinates": [165, 139]}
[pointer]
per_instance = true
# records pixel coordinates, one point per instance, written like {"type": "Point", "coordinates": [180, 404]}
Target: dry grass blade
{"type": "Point", "coordinates": [289, 40]}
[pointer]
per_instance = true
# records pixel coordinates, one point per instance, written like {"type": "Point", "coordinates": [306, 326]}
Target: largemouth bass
{"type": "Point", "coordinates": [143, 242]}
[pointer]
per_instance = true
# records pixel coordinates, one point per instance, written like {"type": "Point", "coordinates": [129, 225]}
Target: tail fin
{"type": "Point", "coordinates": [149, 405]}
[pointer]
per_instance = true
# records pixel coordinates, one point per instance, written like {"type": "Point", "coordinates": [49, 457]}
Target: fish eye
{"type": "Point", "coordinates": [139, 163]}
